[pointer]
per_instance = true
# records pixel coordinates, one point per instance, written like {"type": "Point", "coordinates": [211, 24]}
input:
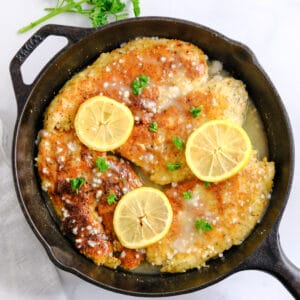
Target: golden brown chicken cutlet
{"type": "Point", "coordinates": [158, 153]}
{"type": "Point", "coordinates": [165, 62]}
{"type": "Point", "coordinates": [178, 86]}
{"type": "Point", "coordinates": [84, 187]}
{"type": "Point", "coordinates": [174, 68]}
{"type": "Point", "coordinates": [227, 212]}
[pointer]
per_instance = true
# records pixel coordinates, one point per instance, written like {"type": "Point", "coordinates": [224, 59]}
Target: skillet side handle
{"type": "Point", "coordinates": [270, 258]}
{"type": "Point", "coordinates": [22, 90]}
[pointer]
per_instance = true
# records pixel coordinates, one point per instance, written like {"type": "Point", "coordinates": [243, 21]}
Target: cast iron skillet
{"type": "Point", "coordinates": [261, 250]}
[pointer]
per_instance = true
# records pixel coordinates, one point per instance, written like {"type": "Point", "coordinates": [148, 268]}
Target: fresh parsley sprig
{"type": "Point", "coordinates": [187, 195]}
{"type": "Point", "coordinates": [203, 225]}
{"type": "Point", "coordinates": [173, 166]}
{"type": "Point", "coordinates": [139, 83]}
{"type": "Point", "coordinates": [206, 184]}
{"type": "Point", "coordinates": [98, 11]}
{"type": "Point", "coordinates": [153, 126]}
{"type": "Point", "coordinates": [196, 111]}
{"type": "Point", "coordinates": [111, 199]}
{"type": "Point", "coordinates": [76, 184]}
{"type": "Point", "coordinates": [136, 7]}
{"type": "Point", "coordinates": [102, 164]}
{"type": "Point", "coordinates": [179, 143]}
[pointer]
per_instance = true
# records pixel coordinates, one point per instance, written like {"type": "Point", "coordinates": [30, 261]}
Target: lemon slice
{"type": "Point", "coordinates": [142, 217]}
{"type": "Point", "coordinates": [103, 124]}
{"type": "Point", "coordinates": [217, 150]}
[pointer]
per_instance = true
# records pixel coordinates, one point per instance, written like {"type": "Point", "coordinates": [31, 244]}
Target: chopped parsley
{"type": "Point", "coordinates": [196, 111]}
{"type": "Point", "coordinates": [187, 195]}
{"type": "Point", "coordinates": [76, 183]}
{"type": "Point", "coordinates": [139, 83]}
{"type": "Point", "coordinates": [111, 199]}
{"type": "Point", "coordinates": [179, 143]}
{"type": "Point", "coordinates": [173, 166]}
{"type": "Point", "coordinates": [102, 164]}
{"type": "Point", "coordinates": [153, 126]}
{"type": "Point", "coordinates": [201, 224]}
{"type": "Point", "coordinates": [206, 183]}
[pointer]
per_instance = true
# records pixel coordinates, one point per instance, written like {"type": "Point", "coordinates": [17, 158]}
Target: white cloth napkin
{"type": "Point", "coordinates": [25, 270]}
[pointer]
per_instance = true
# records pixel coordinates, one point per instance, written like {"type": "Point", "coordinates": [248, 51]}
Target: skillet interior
{"type": "Point", "coordinates": [239, 61]}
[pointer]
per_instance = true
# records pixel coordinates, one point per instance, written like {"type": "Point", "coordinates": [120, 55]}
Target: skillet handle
{"type": "Point", "coordinates": [22, 90]}
{"type": "Point", "coordinates": [269, 257]}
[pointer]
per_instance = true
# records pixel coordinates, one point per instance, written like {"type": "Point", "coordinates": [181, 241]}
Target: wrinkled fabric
{"type": "Point", "coordinates": [25, 270]}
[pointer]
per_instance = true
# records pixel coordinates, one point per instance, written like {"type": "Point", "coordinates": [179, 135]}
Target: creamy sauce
{"type": "Point", "coordinates": [254, 127]}
{"type": "Point", "coordinates": [145, 178]}
{"type": "Point", "coordinates": [146, 268]}
{"type": "Point", "coordinates": [252, 123]}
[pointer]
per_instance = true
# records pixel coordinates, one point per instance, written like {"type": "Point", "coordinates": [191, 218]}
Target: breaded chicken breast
{"type": "Point", "coordinates": [229, 210]}
{"type": "Point", "coordinates": [174, 68]}
{"type": "Point", "coordinates": [178, 83]}
{"type": "Point", "coordinates": [156, 152]}
{"type": "Point", "coordinates": [85, 209]}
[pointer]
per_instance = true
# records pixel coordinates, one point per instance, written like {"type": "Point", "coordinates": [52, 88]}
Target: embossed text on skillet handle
{"type": "Point", "coordinates": [22, 90]}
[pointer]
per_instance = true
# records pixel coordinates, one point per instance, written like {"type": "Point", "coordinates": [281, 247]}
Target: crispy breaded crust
{"type": "Point", "coordinates": [116, 70]}
{"type": "Point", "coordinates": [230, 94]}
{"type": "Point", "coordinates": [233, 207]}
{"type": "Point", "coordinates": [176, 70]}
{"type": "Point", "coordinates": [85, 215]}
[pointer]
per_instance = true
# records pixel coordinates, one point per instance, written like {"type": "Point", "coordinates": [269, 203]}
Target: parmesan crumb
{"type": "Point", "coordinates": [92, 243]}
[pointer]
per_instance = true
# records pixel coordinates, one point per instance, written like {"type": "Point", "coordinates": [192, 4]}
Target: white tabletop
{"type": "Point", "coordinates": [269, 27]}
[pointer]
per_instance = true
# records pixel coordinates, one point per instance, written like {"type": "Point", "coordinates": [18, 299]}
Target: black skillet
{"type": "Point", "coordinates": [261, 250]}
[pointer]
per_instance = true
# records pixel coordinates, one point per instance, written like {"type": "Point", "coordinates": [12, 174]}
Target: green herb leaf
{"type": "Point", "coordinates": [115, 6]}
{"type": "Point", "coordinates": [179, 143]}
{"type": "Point", "coordinates": [187, 195]}
{"type": "Point", "coordinates": [98, 11]}
{"type": "Point", "coordinates": [111, 199]}
{"type": "Point", "coordinates": [121, 16]}
{"type": "Point", "coordinates": [76, 183]}
{"type": "Point", "coordinates": [102, 164]}
{"type": "Point", "coordinates": [139, 83]}
{"type": "Point", "coordinates": [102, 9]}
{"type": "Point", "coordinates": [136, 7]}
{"type": "Point", "coordinates": [173, 166]}
{"type": "Point", "coordinates": [201, 224]}
{"type": "Point", "coordinates": [207, 184]}
{"type": "Point", "coordinates": [153, 126]}
{"type": "Point", "coordinates": [97, 17]}
{"type": "Point", "coordinates": [196, 111]}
